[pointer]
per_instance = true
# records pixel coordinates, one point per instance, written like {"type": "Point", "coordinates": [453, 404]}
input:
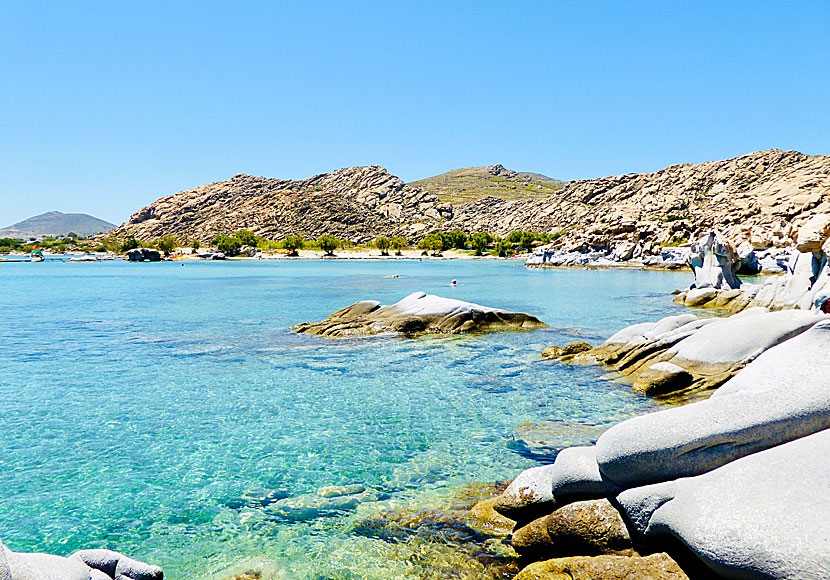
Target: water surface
{"type": "Point", "coordinates": [142, 403]}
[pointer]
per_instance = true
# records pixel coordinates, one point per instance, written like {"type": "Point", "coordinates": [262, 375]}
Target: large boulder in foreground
{"type": "Point", "coordinates": [418, 313]}
{"type": "Point", "coordinates": [82, 565]}
{"type": "Point", "coordinates": [783, 395]}
{"type": "Point", "coordinates": [763, 516]}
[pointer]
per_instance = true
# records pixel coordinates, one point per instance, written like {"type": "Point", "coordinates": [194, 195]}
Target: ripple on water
{"type": "Point", "coordinates": [166, 412]}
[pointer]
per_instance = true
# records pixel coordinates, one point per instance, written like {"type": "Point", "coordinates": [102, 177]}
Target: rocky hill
{"type": "Point", "coordinates": [761, 197]}
{"type": "Point", "coordinates": [474, 183]}
{"type": "Point", "coordinates": [55, 223]}
{"type": "Point", "coordinates": [357, 203]}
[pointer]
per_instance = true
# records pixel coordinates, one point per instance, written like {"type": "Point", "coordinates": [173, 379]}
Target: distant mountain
{"type": "Point", "coordinates": [475, 183]}
{"type": "Point", "coordinates": [55, 223]}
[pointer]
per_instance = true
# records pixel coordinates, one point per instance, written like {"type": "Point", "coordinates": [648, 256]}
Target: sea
{"type": "Point", "coordinates": [167, 411]}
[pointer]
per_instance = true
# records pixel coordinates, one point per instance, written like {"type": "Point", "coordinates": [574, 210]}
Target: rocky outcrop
{"type": "Point", "coordinates": [733, 478]}
{"type": "Point", "coordinates": [357, 203]}
{"type": "Point", "coordinates": [757, 517]}
{"type": "Point", "coordinates": [761, 198]}
{"type": "Point", "coordinates": [143, 255]}
{"type": "Point", "coordinates": [82, 565]}
{"type": "Point", "coordinates": [682, 353]}
{"type": "Point", "coordinates": [805, 284]}
{"type": "Point", "coordinates": [715, 263]}
{"type": "Point", "coordinates": [418, 313]}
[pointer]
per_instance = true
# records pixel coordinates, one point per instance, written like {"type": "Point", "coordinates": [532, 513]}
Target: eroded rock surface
{"type": "Point", "coordinates": [653, 567]}
{"type": "Point", "coordinates": [82, 565]}
{"type": "Point", "coordinates": [761, 516]}
{"type": "Point", "coordinates": [418, 313]}
{"type": "Point", "coordinates": [583, 528]}
{"type": "Point", "coordinates": [735, 478]}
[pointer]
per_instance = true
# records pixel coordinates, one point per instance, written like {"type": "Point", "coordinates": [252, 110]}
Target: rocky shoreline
{"type": "Point", "coordinates": [726, 484]}
{"type": "Point", "coordinates": [722, 487]}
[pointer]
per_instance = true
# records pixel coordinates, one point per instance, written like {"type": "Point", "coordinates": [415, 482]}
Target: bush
{"type": "Point", "coordinates": [479, 242]}
{"type": "Point", "coordinates": [457, 239]}
{"type": "Point", "coordinates": [292, 244]}
{"type": "Point", "coordinates": [382, 244]}
{"type": "Point", "coordinates": [195, 244]}
{"type": "Point", "coordinates": [247, 238]}
{"type": "Point", "coordinates": [502, 248]}
{"type": "Point", "coordinates": [167, 244]}
{"type": "Point", "coordinates": [130, 243]}
{"type": "Point", "coordinates": [227, 245]}
{"type": "Point", "coordinates": [397, 244]}
{"type": "Point", "coordinates": [434, 242]}
{"type": "Point", "coordinates": [328, 244]}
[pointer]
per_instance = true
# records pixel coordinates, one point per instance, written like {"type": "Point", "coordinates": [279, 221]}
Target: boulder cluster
{"type": "Point", "coordinates": [805, 284]}
{"type": "Point", "coordinates": [729, 485]}
{"type": "Point", "coordinates": [82, 565]}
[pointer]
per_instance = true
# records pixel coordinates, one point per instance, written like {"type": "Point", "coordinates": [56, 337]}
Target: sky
{"type": "Point", "coordinates": [107, 106]}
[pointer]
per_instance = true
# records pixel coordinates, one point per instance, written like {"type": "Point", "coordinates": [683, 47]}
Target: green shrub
{"type": "Point", "coordinates": [227, 245]}
{"type": "Point", "coordinates": [502, 247]}
{"type": "Point", "coordinates": [292, 244]}
{"type": "Point", "coordinates": [479, 242]}
{"type": "Point", "coordinates": [166, 244]}
{"type": "Point", "coordinates": [328, 244]}
{"type": "Point", "coordinates": [129, 243]}
{"type": "Point", "coordinates": [382, 244]}
{"type": "Point", "coordinates": [247, 238]}
{"type": "Point", "coordinates": [397, 243]}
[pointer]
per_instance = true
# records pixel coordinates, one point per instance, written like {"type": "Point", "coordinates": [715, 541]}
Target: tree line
{"type": "Point", "coordinates": [233, 244]}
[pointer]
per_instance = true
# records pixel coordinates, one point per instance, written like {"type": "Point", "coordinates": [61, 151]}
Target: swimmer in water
{"type": "Point", "coordinates": [453, 283]}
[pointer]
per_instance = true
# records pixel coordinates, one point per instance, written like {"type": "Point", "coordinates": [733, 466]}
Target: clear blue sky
{"type": "Point", "coordinates": [107, 106]}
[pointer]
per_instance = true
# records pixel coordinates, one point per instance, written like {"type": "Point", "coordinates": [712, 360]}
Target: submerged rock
{"type": "Point", "coordinates": [418, 313]}
{"type": "Point", "coordinates": [567, 351]}
{"type": "Point", "coordinates": [328, 501]}
{"type": "Point", "coordinates": [82, 565]}
{"type": "Point", "coordinates": [583, 528]}
{"type": "Point", "coordinates": [543, 441]}
{"type": "Point", "coordinates": [653, 567]}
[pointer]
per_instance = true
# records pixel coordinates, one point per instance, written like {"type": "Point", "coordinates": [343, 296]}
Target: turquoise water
{"type": "Point", "coordinates": [144, 405]}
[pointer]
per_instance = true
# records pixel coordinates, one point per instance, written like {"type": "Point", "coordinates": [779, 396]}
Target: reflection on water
{"type": "Point", "coordinates": [167, 411]}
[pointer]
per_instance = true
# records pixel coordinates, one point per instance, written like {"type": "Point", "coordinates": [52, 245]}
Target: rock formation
{"type": "Point", "coordinates": [805, 284]}
{"type": "Point", "coordinates": [733, 478]}
{"type": "Point", "coordinates": [143, 255]}
{"type": "Point", "coordinates": [761, 198]}
{"type": "Point", "coordinates": [358, 204]}
{"type": "Point", "coordinates": [82, 565]}
{"type": "Point", "coordinates": [418, 313]}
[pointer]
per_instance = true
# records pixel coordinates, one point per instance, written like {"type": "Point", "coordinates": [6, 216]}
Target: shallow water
{"type": "Point", "coordinates": [142, 403]}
